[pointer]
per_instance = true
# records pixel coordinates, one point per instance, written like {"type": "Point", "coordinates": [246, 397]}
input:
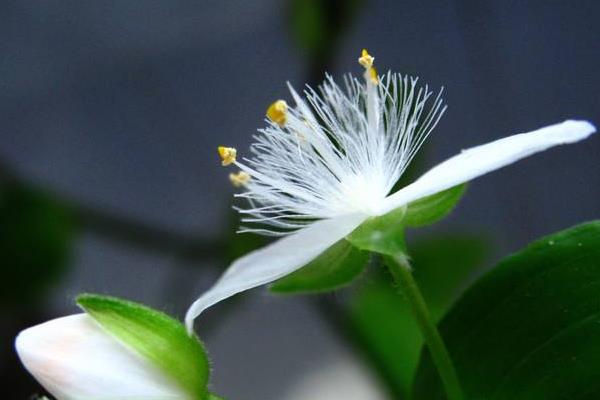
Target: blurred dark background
{"type": "Point", "coordinates": [110, 114]}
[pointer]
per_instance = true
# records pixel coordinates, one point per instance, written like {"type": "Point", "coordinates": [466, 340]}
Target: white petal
{"type": "Point", "coordinates": [276, 260]}
{"type": "Point", "coordinates": [482, 159]}
{"type": "Point", "coordinates": [74, 359]}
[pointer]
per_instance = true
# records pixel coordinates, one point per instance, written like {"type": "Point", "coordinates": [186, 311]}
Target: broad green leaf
{"type": "Point", "coordinates": [383, 235]}
{"type": "Point", "coordinates": [212, 396]}
{"type": "Point", "coordinates": [381, 317]}
{"type": "Point", "coordinates": [36, 236]}
{"type": "Point", "coordinates": [433, 208]}
{"type": "Point", "coordinates": [530, 328]}
{"type": "Point", "coordinates": [337, 266]}
{"type": "Point", "coordinates": [155, 336]}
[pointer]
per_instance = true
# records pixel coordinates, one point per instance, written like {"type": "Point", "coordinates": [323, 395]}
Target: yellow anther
{"type": "Point", "coordinates": [239, 179]}
{"type": "Point", "coordinates": [371, 74]}
{"type": "Point", "coordinates": [277, 112]}
{"type": "Point", "coordinates": [227, 155]}
{"type": "Point", "coordinates": [365, 59]}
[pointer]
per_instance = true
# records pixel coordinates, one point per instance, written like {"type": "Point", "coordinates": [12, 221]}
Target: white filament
{"type": "Point", "coordinates": [340, 151]}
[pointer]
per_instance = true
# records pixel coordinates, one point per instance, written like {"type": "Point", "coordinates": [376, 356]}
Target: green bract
{"type": "Point", "coordinates": [529, 329]}
{"type": "Point", "coordinates": [433, 208]}
{"type": "Point", "coordinates": [337, 266]}
{"type": "Point", "coordinates": [383, 235]}
{"type": "Point", "coordinates": [156, 337]}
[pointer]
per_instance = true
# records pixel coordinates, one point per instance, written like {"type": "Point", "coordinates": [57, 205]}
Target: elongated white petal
{"type": "Point", "coordinates": [74, 359]}
{"type": "Point", "coordinates": [276, 260]}
{"type": "Point", "coordinates": [482, 159]}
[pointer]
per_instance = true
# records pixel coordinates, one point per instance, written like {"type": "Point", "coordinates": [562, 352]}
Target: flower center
{"type": "Point", "coordinates": [360, 193]}
{"type": "Point", "coordinates": [337, 151]}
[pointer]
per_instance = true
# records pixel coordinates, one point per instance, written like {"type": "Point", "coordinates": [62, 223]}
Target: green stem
{"type": "Point", "coordinates": [400, 268]}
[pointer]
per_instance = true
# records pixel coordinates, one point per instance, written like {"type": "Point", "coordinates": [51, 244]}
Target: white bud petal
{"type": "Point", "coordinates": [73, 358]}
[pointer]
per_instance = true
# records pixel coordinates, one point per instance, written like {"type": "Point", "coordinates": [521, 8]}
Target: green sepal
{"type": "Point", "coordinates": [433, 208]}
{"type": "Point", "coordinates": [336, 267]}
{"type": "Point", "coordinates": [156, 337]}
{"type": "Point", "coordinates": [383, 235]}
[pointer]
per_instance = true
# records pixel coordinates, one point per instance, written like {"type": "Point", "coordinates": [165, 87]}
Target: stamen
{"type": "Point", "coordinates": [239, 179]}
{"type": "Point", "coordinates": [365, 59]}
{"type": "Point", "coordinates": [277, 112]}
{"type": "Point", "coordinates": [372, 75]}
{"type": "Point", "coordinates": [227, 155]}
{"type": "Point", "coordinates": [334, 152]}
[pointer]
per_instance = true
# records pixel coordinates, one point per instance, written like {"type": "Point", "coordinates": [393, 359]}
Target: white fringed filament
{"type": "Point", "coordinates": [338, 152]}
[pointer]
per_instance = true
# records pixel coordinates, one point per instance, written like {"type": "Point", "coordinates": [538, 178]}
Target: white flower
{"type": "Point", "coordinates": [323, 167]}
{"type": "Point", "coordinates": [75, 359]}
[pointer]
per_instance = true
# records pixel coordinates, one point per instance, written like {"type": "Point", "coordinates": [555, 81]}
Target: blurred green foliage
{"type": "Point", "coordinates": [530, 328]}
{"type": "Point", "coordinates": [36, 235]}
{"type": "Point", "coordinates": [317, 24]}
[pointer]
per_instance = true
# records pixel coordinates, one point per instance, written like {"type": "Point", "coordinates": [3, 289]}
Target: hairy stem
{"type": "Point", "coordinates": [400, 269]}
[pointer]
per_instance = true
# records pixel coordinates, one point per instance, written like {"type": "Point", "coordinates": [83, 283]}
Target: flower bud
{"type": "Point", "coordinates": [74, 358]}
{"type": "Point", "coordinates": [117, 350]}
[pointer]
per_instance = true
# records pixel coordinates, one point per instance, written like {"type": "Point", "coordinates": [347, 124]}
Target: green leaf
{"type": "Point", "coordinates": [530, 328]}
{"type": "Point", "coordinates": [155, 336]}
{"type": "Point", "coordinates": [381, 317]}
{"type": "Point", "coordinates": [337, 266]}
{"type": "Point", "coordinates": [36, 237]}
{"type": "Point", "coordinates": [433, 208]}
{"type": "Point", "coordinates": [383, 235]}
{"type": "Point", "coordinates": [212, 396]}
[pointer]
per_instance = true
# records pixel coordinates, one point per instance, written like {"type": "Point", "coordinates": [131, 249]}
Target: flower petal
{"type": "Point", "coordinates": [73, 358]}
{"type": "Point", "coordinates": [276, 260]}
{"type": "Point", "coordinates": [482, 159]}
